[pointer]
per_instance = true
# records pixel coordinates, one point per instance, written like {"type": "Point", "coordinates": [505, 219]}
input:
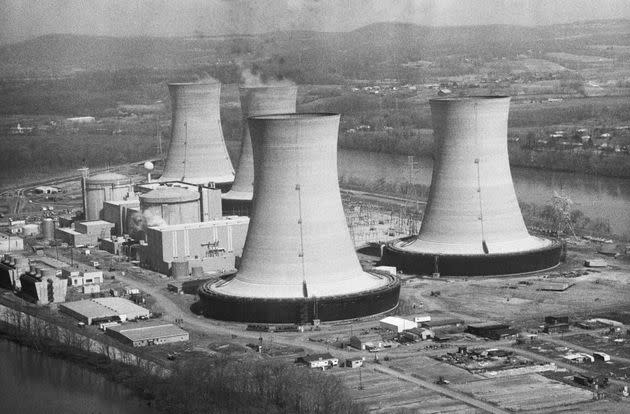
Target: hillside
{"type": "Point", "coordinates": [373, 51]}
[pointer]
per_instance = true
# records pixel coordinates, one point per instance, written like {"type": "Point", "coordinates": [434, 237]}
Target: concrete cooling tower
{"type": "Point", "coordinates": [197, 153]}
{"type": "Point", "coordinates": [298, 262]}
{"type": "Point", "coordinates": [263, 100]}
{"type": "Point", "coordinates": [472, 224]}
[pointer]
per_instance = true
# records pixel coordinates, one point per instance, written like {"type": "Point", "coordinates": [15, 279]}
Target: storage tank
{"type": "Point", "coordinates": [179, 270]}
{"type": "Point", "coordinates": [170, 205]}
{"type": "Point", "coordinates": [48, 229]}
{"type": "Point", "coordinates": [263, 100]}
{"type": "Point", "coordinates": [472, 224]}
{"type": "Point", "coordinates": [197, 152]}
{"type": "Point", "coordinates": [104, 187]}
{"type": "Point", "coordinates": [298, 263]}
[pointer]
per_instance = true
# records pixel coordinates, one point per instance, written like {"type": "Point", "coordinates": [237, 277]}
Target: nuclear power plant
{"type": "Point", "coordinates": [298, 263]}
{"type": "Point", "coordinates": [262, 100]}
{"type": "Point", "coordinates": [472, 224]}
{"type": "Point", "coordinates": [197, 153]}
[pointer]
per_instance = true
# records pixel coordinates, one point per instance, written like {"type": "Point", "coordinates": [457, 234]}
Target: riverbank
{"type": "Point", "coordinates": [128, 376]}
{"type": "Point", "coordinates": [604, 164]}
{"type": "Point", "coordinates": [115, 364]}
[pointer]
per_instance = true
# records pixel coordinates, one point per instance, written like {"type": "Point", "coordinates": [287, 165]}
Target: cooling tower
{"type": "Point", "coordinates": [472, 224]}
{"type": "Point", "coordinates": [197, 153]}
{"type": "Point", "coordinates": [264, 100]}
{"type": "Point", "coordinates": [298, 262]}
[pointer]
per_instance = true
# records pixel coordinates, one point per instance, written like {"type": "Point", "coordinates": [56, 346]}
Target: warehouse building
{"type": "Point", "coordinates": [148, 333]}
{"type": "Point", "coordinates": [104, 310]}
{"type": "Point", "coordinates": [366, 342]}
{"type": "Point", "coordinates": [396, 324]}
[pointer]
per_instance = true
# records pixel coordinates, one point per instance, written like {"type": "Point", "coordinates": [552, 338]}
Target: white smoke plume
{"type": "Point", "coordinates": [153, 220]}
{"type": "Point", "coordinates": [250, 79]}
{"type": "Point", "coordinates": [204, 78]}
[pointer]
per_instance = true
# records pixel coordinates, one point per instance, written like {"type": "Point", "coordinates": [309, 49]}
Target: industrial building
{"type": "Point", "coordinates": [211, 245]}
{"type": "Point", "coordinates": [12, 267]}
{"type": "Point", "coordinates": [263, 100]}
{"type": "Point", "coordinates": [10, 243]}
{"type": "Point", "coordinates": [100, 188]}
{"type": "Point", "coordinates": [148, 333]}
{"type": "Point", "coordinates": [472, 224]}
{"type": "Point", "coordinates": [396, 324]}
{"type": "Point", "coordinates": [197, 152]}
{"type": "Point", "coordinates": [117, 212]}
{"type": "Point", "coordinates": [41, 285]}
{"type": "Point", "coordinates": [76, 277]}
{"type": "Point", "coordinates": [298, 262]}
{"type": "Point", "coordinates": [86, 233]}
{"type": "Point", "coordinates": [104, 310]}
{"type": "Point", "coordinates": [366, 342]}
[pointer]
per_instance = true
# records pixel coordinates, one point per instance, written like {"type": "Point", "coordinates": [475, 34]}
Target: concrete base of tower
{"type": "Point", "coordinates": [299, 310]}
{"type": "Point", "coordinates": [415, 262]}
{"type": "Point", "coordinates": [236, 206]}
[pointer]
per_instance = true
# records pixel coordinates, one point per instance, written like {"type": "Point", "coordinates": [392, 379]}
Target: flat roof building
{"type": "Point", "coordinates": [211, 245]}
{"type": "Point", "coordinates": [396, 324]}
{"type": "Point", "coordinates": [9, 243]}
{"type": "Point", "coordinates": [149, 333]}
{"type": "Point", "coordinates": [104, 309]}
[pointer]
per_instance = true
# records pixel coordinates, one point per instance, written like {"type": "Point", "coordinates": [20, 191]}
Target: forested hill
{"type": "Point", "coordinates": [377, 50]}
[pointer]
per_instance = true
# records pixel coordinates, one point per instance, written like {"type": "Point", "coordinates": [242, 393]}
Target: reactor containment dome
{"type": "Point", "coordinates": [197, 153]}
{"type": "Point", "coordinates": [298, 262]}
{"type": "Point", "coordinates": [472, 224]}
{"type": "Point", "coordinates": [261, 100]}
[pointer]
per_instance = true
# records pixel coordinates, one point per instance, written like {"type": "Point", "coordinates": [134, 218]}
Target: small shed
{"type": "Point", "coordinates": [355, 362]}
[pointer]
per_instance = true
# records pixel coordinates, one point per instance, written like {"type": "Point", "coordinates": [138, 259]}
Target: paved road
{"type": "Point", "coordinates": [442, 390]}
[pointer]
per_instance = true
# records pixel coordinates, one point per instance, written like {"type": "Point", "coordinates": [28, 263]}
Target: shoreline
{"type": "Point", "coordinates": [118, 373]}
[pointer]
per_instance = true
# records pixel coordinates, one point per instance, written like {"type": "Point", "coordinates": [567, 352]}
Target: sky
{"type": "Point", "coordinates": [24, 19]}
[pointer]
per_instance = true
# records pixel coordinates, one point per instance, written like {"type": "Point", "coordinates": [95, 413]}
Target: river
{"type": "Point", "coordinates": [34, 383]}
{"type": "Point", "coordinates": [597, 197]}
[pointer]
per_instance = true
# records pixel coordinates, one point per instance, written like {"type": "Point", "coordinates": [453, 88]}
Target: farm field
{"type": "Point", "coordinates": [383, 394]}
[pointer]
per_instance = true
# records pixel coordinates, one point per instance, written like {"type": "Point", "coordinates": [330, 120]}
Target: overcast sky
{"type": "Point", "coordinates": [23, 19]}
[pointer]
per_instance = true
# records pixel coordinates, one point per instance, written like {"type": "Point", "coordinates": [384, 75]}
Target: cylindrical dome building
{"type": "Point", "coordinates": [197, 152]}
{"type": "Point", "coordinates": [472, 224]}
{"type": "Point", "coordinates": [298, 262]}
{"type": "Point", "coordinates": [262, 100]}
{"type": "Point", "coordinates": [170, 205]}
{"type": "Point", "coordinates": [104, 187]}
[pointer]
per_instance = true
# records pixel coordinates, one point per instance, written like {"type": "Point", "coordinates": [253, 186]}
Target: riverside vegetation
{"type": "Point", "coordinates": [202, 383]}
